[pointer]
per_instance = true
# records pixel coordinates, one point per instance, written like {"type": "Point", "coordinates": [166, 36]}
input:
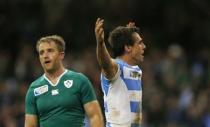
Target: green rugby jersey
{"type": "Point", "coordinates": [60, 105]}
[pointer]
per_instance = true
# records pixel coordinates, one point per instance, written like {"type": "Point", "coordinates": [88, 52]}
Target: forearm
{"type": "Point", "coordinates": [103, 56]}
{"type": "Point", "coordinates": [30, 121]}
{"type": "Point", "coordinates": [94, 114]}
{"type": "Point", "coordinates": [97, 121]}
{"type": "Point", "coordinates": [108, 66]}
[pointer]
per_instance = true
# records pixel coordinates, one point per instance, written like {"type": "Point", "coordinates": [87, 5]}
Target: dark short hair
{"type": "Point", "coordinates": [59, 41]}
{"type": "Point", "coordinates": [120, 37]}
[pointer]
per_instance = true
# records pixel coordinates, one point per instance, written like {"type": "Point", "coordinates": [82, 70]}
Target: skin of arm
{"type": "Point", "coordinates": [107, 64]}
{"type": "Point", "coordinates": [94, 114]}
{"type": "Point", "coordinates": [30, 120]}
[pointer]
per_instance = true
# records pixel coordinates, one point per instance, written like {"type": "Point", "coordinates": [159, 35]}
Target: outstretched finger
{"type": "Point", "coordinates": [98, 19]}
{"type": "Point", "coordinates": [99, 25]}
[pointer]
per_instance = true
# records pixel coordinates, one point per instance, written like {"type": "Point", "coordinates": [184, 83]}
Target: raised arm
{"type": "Point", "coordinates": [107, 64]}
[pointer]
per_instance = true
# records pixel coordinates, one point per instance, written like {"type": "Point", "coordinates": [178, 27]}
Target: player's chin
{"type": "Point", "coordinates": [48, 67]}
{"type": "Point", "coordinates": [49, 70]}
{"type": "Point", "coordinates": [141, 58]}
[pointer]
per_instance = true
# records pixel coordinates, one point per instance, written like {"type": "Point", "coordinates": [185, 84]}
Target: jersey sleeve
{"type": "Point", "coordinates": [30, 104]}
{"type": "Point", "coordinates": [87, 91]}
{"type": "Point", "coordinates": [117, 73]}
{"type": "Point", "coordinates": [115, 76]}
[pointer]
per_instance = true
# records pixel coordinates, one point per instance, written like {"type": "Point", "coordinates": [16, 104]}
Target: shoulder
{"type": "Point", "coordinates": [120, 62]}
{"type": "Point", "coordinates": [79, 79]}
{"type": "Point", "coordinates": [76, 75]}
{"type": "Point", "coordinates": [37, 82]}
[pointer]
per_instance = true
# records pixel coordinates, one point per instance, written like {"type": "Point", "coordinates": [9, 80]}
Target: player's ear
{"type": "Point", "coordinates": [62, 54]}
{"type": "Point", "coordinates": [127, 48]}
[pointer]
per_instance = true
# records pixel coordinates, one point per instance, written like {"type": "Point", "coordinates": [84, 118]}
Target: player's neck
{"type": "Point", "coordinates": [127, 59]}
{"type": "Point", "coordinates": [55, 74]}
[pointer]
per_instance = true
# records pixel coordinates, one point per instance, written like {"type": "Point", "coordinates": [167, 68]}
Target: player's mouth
{"type": "Point", "coordinates": [47, 62]}
{"type": "Point", "coordinates": [142, 53]}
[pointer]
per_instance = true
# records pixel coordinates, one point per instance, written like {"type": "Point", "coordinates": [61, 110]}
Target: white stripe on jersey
{"type": "Point", "coordinates": [135, 95]}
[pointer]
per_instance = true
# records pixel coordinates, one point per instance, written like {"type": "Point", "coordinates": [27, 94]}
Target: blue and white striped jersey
{"type": "Point", "coordinates": [123, 96]}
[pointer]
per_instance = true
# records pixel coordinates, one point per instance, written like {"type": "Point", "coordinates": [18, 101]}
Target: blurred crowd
{"type": "Point", "coordinates": [176, 87]}
{"type": "Point", "coordinates": [176, 69]}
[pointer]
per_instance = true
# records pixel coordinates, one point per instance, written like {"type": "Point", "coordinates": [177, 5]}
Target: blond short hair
{"type": "Point", "coordinates": [59, 41]}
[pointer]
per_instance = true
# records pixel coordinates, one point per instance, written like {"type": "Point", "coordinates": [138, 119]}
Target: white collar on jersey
{"type": "Point", "coordinates": [57, 80]}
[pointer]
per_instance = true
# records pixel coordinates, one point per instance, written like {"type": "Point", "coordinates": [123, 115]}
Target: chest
{"type": "Point", "coordinates": [64, 96]}
{"type": "Point", "coordinates": [131, 77]}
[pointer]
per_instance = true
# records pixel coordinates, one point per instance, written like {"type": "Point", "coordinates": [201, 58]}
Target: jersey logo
{"type": "Point", "coordinates": [55, 92]}
{"type": "Point", "coordinates": [68, 83]}
{"type": "Point", "coordinates": [40, 90]}
{"type": "Point", "coordinates": [130, 73]}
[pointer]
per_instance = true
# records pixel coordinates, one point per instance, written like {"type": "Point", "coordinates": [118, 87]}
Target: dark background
{"type": "Point", "coordinates": [163, 22]}
{"type": "Point", "coordinates": [176, 70]}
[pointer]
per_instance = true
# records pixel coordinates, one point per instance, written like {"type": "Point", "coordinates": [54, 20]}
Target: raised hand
{"type": "Point", "coordinates": [99, 30]}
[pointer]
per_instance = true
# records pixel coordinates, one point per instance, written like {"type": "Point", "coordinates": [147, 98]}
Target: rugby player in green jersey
{"type": "Point", "coordinates": [60, 97]}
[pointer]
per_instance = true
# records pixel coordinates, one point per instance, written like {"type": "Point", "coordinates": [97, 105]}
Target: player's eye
{"type": "Point", "coordinates": [41, 52]}
{"type": "Point", "coordinates": [50, 50]}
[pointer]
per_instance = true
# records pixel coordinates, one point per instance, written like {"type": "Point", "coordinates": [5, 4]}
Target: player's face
{"type": "Point", "coordinates": [49, 56]}
{"type": "Point", "coordinates": [137, 52]}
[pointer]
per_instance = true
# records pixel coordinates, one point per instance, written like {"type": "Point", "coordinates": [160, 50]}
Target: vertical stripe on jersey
{"type": "Point", "coordinates": [134, 106]}
{"type": "Point", "coordinates": [104, 85]}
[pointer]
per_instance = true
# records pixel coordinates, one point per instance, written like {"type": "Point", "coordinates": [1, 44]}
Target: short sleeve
{"type": "Point", "coordinates": [30, 104]}
{"type": "Point", "coordinates": [116, 76]}
{"type": "Point", "coordinates": [87, 91]}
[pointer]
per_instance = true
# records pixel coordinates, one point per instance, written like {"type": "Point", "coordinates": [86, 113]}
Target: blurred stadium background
{"type": "Point", "coordinates": [176, 70]}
